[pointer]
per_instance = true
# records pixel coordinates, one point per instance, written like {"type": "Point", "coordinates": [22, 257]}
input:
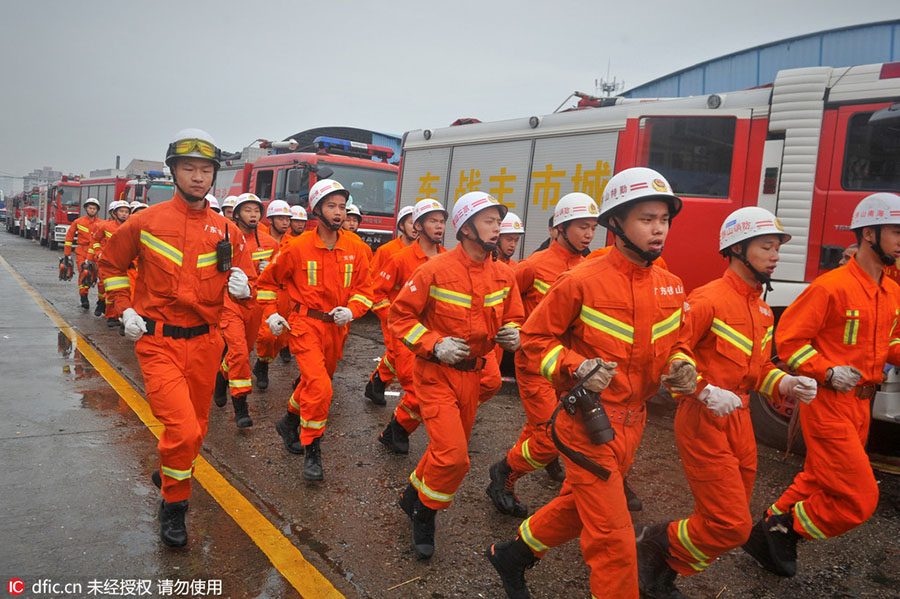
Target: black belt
{"type": "Point", "coordinates": [170, 330]}
{"type": "Point", "coordinates": [313, 313]}
{"type": "Point", "coordinates": [865, 391]}
{"type": "Point", "coordinates": [470, 365]}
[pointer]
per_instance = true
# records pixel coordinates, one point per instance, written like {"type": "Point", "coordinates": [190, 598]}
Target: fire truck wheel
{"type": "Point", "coordinates": [771, 427]}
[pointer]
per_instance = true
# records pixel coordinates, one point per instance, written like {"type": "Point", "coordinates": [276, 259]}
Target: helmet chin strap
{"type": "Point", "coordinates": [882, 255]}
{"type": "Point", "coordinates": [490, 248]}
{"type": "Point", "coordinates": [762, 277]}
{"type": "Point", "coordinates": [328, 223]}
{"type": "Point", "coordinates": [646, 255]}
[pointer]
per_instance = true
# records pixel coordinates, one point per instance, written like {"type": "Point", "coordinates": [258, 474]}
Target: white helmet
{"type": "Point", "coordinates": [229, 201]}
{"type": "Point", "coordinates": [93, 201]}
{"type": "Point", "coordinates": [470, 204]}
{"type": "Point", "coordinates": [876, 209]}
{"type": "Point", "coordinates": [637, 184]}
{"type": "Point", "coordinates": [116, 204]}
{"type": "Point", "coordinates": [747, 223]}
{"type": "Point", "coordinates": [298, 213]}
{"type": "Point", "coordinates": [193, 143]}
{"type": "Point", "coordinates": [512, 224]}
{"type": "Point", "coordinates": [573, 206]}
{"type": "Point", "coordinates": [135, 206]}
{"type": "Point", "coordinates": [213, 202]}
{"type": "Point", "coordinates": [245, 198]}
{"type": "Point", "coordinates": [425, 206]}
{"type": "Point", "coordinates": [354, 210]}
{"type": "Point", "coordinates": [278, 208]}
{"type": "Point", "coordinates": [323, 188]}
{"type": "Point", "coordinates": [403, 213]}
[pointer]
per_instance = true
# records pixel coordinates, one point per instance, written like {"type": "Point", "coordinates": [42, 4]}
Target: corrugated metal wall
{"type": "Point", "coordinates": [863, 44]}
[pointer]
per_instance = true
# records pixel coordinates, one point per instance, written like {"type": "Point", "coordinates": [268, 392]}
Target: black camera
{"type": "Point", "coordinates": [593, 414]}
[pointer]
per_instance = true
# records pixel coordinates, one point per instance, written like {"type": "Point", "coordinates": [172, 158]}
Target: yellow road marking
{"type": "Point", "coordinates": [286, 558]}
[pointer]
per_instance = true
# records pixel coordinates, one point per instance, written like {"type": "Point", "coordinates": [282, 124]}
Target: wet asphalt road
{"type": "Point", "coordinates": [77, 504]}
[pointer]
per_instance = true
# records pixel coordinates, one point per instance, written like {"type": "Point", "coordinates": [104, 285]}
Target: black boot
{"type": "Point", "coordinates": [296, 382]}
{"type": "Point", "coordinates": [261, 370]}
{"type": "Point", "coordinates": [172, 530]}
{"type": "Point", "coordinates": [395, 437]}
{"type": "Point", "coordinates": [408, 499]}
{"type": "Point", "coordinates": [423, 529]}
{"type": "Point", "coordinates": [312, 465]}
{"type": "Point", "coordinates": [782, 541]}
{"type": "Point", "coordinates": [758, 547]}
{"type": "Point", "coordinates": [220, 395]}
{"type": "Point", "coordinates": [157, 479]}
{"type": "Point", "coordinates": [555, 470]}
{"type": "Point", "coordinates": [656, 579]}
{"type": "Point", "coordinates": [100, 308]}
{"type": "Point", "coordinates": [375, 389]}
{"type": "Point", "coordinates": [502, 490]}
{"type": "Point", "coordinates": [112, 322]}
{"type": "Point", "coordinates": [241, 412]}
{"type": "Point", "coordinates": [285, 354]}
{"type": "Point", "coordinates": [288, 427]}
{"type": "Point", "coordinates": [634, 502]}
{"type": "Point", "coordinates": [85, 302]}
{"type": "Point", "coordinates": [511, 559]}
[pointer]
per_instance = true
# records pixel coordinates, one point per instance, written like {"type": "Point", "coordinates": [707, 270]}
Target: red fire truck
{"type": "Point", "coordinates": [362, 168]}
{"type": "Point", "coordinates": [808, 148]}
{"type": "Point", "coordinates": [57, 207]}
{"type": "Point", "coordinates": [29, 224]}
{"type": "Point", "coordinates": [105, 189]}
{"type": "Point", "coordinates": [151, 189]}
{"type": "Point", "coordinates": [14, 212]}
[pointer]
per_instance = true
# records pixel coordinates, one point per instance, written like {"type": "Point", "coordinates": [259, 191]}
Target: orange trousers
{"type": "Point", "coordinates": [80, 257]}
{"type": "Point", "coordinates": [534, 449]}
{"type": "Point", "coordinates": [386, 369]}
{"type": "Point", "coordinates": [179, 377]}
{"type": "Point", "coordinates": [240, 325]}
{"type": "Point", "coordinates": [267, 344]}
{"type": "Point", "coordinates": [448, 399]}
{"type": "Point", "coordinates": [719, 458]}
{"type": "Point", "coordinates": [594, 509]}
{"type": "Point", "coordinates": [408, 413]}
{"type": "Point", "coordinates": [317, 346]}
{"type": "Point", "coordinates": [836, 491]}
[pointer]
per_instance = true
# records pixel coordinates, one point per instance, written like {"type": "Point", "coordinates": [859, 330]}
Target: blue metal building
{"type": "Point", "coordinates": [859, 44]}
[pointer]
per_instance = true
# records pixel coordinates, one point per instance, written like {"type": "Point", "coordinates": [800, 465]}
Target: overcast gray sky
{"type": "Point", "coordinates": [85, 80]}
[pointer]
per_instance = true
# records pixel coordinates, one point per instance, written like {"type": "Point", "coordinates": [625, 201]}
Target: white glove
{"type": "Point", "coordinates": [341, 315]}
{"type": "Point", "coordinates": [682, 377]}
{"type": "Point", "coordinates": [263, 264]}
{"type": "Point", "coordinates": [798, 387]}
{"type": "Point", "coordinates": [277, 324]}
{"type": "Point", "coordinates": [599, 380]}
{"type": "Point", "coordinates": [135, 326]}
{"type": "Point", "coordinates": [843, 378]}
{"type": "Point", "coordinates": [451, 350]}
{"type": "Point", "coordinates": [508, 338]}
{"type": "Point", "coordinates": [721, 402]}
{"type": "Point", "coordinates": [238, 283]}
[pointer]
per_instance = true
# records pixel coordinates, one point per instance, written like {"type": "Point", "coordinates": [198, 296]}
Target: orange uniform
{"type": "Point", "coordinates": [534, 449]}
{"type": "Point", "coordinates": [180, 293]}
{"type": "Point", "coordinates": [386, 370]}
{"type": "Point", "coordinates": [843, 318]}
{"type": "Point", "coordinates": [729, 328]}
{"type": "Point", "coordinates": [386, 285]}
{"type": "Point", "coordinates": [605, 250]}
{"type": "Point", "coordinates": [241, 321]}
{"type": "Point", "coordinates": [619, 311]}
{"type": "Point", "coordinates": [317, 280]}
{"type": "Point", "coordinates": [451, 295]}
{"type": "Point", "coordinates": [81, 237]}
{"type": "Point", "coordinates": [267, 344]}
{"type": "Point", "coordinates": [104, 231]}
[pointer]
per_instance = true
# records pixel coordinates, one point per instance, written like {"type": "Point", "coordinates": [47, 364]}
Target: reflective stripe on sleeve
{"type": "Point", "coordinates": [414, 334]}
{"type": "Point", "coordinates": [800, 356]}
{"type": "Point", "coordinates": [266, 295]}
{"type": "Point", "coordinates": [541, 286]}
{"type": "Point", "coordinates": [549, 361]}
{"type": "Point", "coordinates": [113, 283]}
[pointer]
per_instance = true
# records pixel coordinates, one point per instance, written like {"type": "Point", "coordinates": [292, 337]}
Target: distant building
{"type": "Point", "coordinates": [40, 177]}
{"type": "Point", "coordinates": [133, 169]}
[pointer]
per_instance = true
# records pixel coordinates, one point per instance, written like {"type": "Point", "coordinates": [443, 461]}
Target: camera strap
{"type": "Point", "coordinates": [574, 455]}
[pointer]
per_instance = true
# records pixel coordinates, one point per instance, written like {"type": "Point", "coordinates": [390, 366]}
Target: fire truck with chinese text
{"type": "Point", "coordinates": [57, 208]}
{"type": "Point", "coordinates": [276, 171]}
{"type": "Point", "coordinates": [105, 189]}
{"type": "Point", "coordinates": [153, 188]}
{"type": "Point", "coordinates": [808, 147]}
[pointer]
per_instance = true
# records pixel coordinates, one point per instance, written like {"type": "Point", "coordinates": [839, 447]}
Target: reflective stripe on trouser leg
{"type": "Point", "coordinates": [317, 346]}
{"type": "Point", "coordinates": [240, 327]}
{"type": "Point", "coordinates": [552, 525]}
{"type": "Point", "coordinates": [386, 368]}
{"type": "Point", "coordinates": [534, 448]}
{"type": "Point", "coordinates": [448, 400]}
{"type": "Point", "coordinates": [408, 413]}
{"type": "Point", "coordinates": [179, 386]}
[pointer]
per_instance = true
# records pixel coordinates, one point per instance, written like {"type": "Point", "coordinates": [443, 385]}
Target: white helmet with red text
{"type": "Point", "coordinates": [573, 206]}
{"type": "Point", "coordinates": [278, 208]}
{"type": "Point", "coordinates": [512, 224]}
{"type": "Point", "coordinates": [324, 188]}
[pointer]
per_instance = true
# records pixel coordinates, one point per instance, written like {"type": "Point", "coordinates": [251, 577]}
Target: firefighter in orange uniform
{"type": "Point", "coordinates": [429, 220]}
{"type": "Point", "coordinates": [119, 211]}
{"type": "Point", "coordinates": [729, 329]}
{"type": "Point", "coordinates": [298, 224]}
{"type": "Point", "coordinates": [241, 320]}
{"type": "Point", "coordinates": [267, 345]}
{"type": "Point", "coordinates": [84, 227]}
{"type": "Point", "coordinates": [511, 232]}
{"type": "Point", "coordinates": [351, 225]}
{"type": "Point", "coordinates": [451, 313]}
{"type": "Point", "coordinates": [840, 331]}
{"type": "Point", "coordinates": [575, 219]}
{"type": "Point", "coordinates": [327, 276]}
{"type": "Point", "coordinates": [612, 323]}
{"type": "Point", "coordinates": [385, 372]}
{"type": "Point", "coordinates": [174, 317]}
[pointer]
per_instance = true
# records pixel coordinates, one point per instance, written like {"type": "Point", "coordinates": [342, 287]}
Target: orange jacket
{"type": "Point", "coordinates": [177, 282]}
{"type": "Point", "coordinates": [318, 278]}
{"type": "Point", "coordinates": [842, 318]}
{"type": "Point", "coordinates": [396, 272]}
{"type": "Point", "coordinates": [104, 231]}
{"type": "Point", "coordinates": [540, 270]}
{"type": "Point", "coordinates": [384, 253]}
{"type": "Point", "coordinates": [729, 329]}
{"type": "Point", "coordinates": [368, 251]}
{"type": "Point", "coordinates": [262, 247]}
{"type": "Point", "coordinates": [85, 227]}
{"type": "Point", "coordinates": [508, 261]}
{"type": "Point", "coordinates": [613, 309]}
{"type": "Point", "coordinates": [451, 295]}
{"type": "Point", "coordinates": [605, 250]}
